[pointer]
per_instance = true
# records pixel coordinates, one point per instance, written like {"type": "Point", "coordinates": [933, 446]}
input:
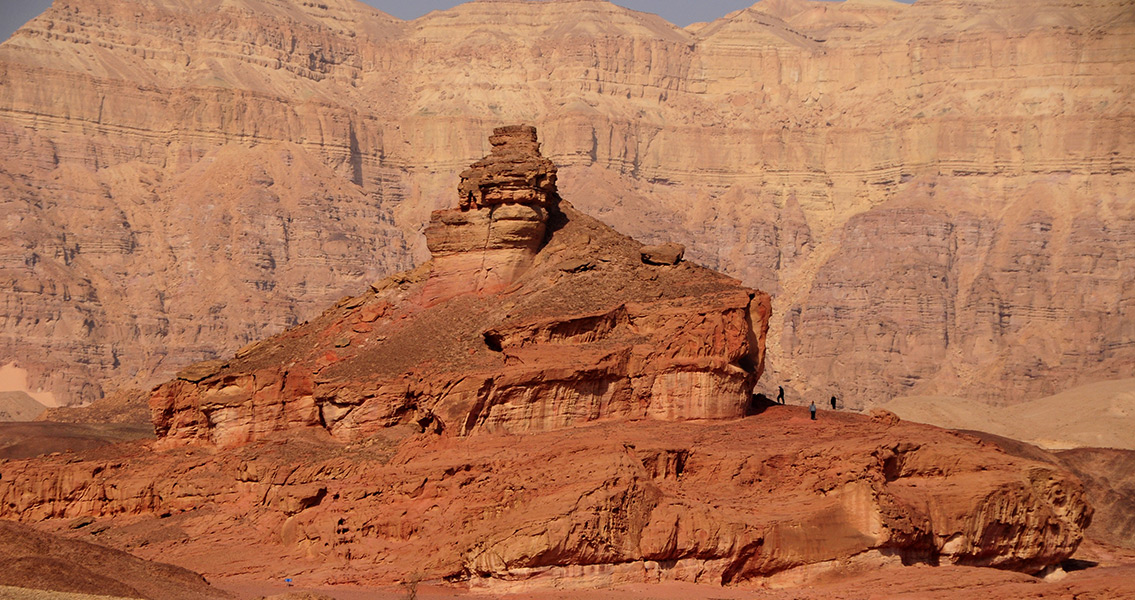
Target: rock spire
{"type": "Point", "coordinates": [514, 172]}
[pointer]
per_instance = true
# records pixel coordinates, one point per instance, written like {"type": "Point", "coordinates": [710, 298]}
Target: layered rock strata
{"type": "Point", "coordinates": [576, 418]}
{"type": "Point", "coordinates": [943, 186]}
{"type": "Point", "coordinates": [493, 235]}
{"type": "Point", "coordinates": [771, 499]}
{"type": "Point", "coordinates": [531, 316]}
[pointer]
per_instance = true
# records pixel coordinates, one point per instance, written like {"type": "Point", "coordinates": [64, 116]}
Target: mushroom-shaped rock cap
{"type": "Point", "coordinates": [513, 173]}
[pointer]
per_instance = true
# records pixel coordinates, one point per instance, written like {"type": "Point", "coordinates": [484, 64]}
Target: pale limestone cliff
{"type": "Point", "coordinates": [944, 186]}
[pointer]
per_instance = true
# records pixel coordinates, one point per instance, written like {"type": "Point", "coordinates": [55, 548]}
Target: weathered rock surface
{"type": "Point", "coordinates": [944, 186]}
{"type": "Point", "coordinates": [1108, 486]}
{"type": "Point", "coordinates": [769, 496]}
{"type": "Point", "coordinates": [492, 334]}
{"type": "Point", "coordinates": [663, 254]}
{"type": "Point", "coordinates": [1109, 480]}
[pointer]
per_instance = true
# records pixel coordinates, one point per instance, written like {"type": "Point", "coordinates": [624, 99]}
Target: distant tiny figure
{"type": "Point", "coordinates": [780, 395]}
{"type": "Point", "coordinates": [813, 410]}
{"type": "Point", "coordinates": [833, 402]}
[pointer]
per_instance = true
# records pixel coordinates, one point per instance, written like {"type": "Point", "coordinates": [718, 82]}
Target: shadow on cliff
{"type": "Point", "coordinates": [758, 404]}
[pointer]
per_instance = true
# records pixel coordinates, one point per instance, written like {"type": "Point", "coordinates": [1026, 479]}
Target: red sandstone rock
{"type": "Point", "coordinates": [513, 173]}
{"type": "Point", "coordinates": [773, 498]}
{"type": "Point", "coordinates": [492, 335]}
{"type": "Point", "coordinates": [663, 254]}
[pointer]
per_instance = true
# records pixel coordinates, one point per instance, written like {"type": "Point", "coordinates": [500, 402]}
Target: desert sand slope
{"type": "Point", "coordinates": [943, 187]}
{"type": "Point", "coordinates": [33, 559]}
{"type": "Point", "coordinates": [18, 406]}
{"type": "Point", "coordinates": [8, 592]}
{"type": "Point", "coordinates": [23, 440]}
{"type": "Point", "coordinates": [125, 406]}
{"type": "Point", "coordinates": [1100, 415]}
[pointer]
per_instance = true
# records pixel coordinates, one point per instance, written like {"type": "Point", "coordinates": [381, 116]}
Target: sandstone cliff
{"type": "Point", "coordinates": [944, 186]}
{"type": "Point", "coordinates": [544, 402]}
{"type": "Point", "coordinates": [773, 499]}
{"type": "Point", "coordinates": [530, 316]}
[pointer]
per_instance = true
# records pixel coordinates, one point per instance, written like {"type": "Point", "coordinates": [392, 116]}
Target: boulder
{"type": "Point", "coordinates": [663, 254]}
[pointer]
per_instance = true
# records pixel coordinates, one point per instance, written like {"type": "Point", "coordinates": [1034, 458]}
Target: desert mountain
{"type": "Point", "coordinates": [937, 195]}
{"type": "Point", "coordinates": [544, 402]}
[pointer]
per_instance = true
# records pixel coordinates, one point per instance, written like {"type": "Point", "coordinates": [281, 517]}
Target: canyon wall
{"type": "Point", "coordinates": [938, 196]}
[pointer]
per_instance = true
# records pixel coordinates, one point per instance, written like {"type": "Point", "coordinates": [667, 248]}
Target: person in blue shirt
{"type": "Point", "coordinates": [813, 410]}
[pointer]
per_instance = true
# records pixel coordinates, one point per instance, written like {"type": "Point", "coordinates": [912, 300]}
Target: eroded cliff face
{"type": "Point", "coordinates": [545, 402]}
{"type": "Point", "coordinates": [771, 499]}
{"type": "Point", "coordinates": [531, 316]}
{"type": "Point", "coordinates": [944, 186]}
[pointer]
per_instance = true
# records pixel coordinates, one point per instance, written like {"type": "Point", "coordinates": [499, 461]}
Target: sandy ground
{"type": "Point", "coordinates": [15, 379]}
{"type": "Point", "coordinates": [17, 593]}
{"type": "Point", "coordinates": [1098, 415]}
{"type": "Point", "coordinates": [28, 439]}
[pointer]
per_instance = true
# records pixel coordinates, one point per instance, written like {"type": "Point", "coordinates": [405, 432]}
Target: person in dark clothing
{"type": "Point", "coordinates": [780, 395]}
{"type": "Point", "coordinates": [813, 410]}
{"type": "Point", "coordinates": [833, 402]}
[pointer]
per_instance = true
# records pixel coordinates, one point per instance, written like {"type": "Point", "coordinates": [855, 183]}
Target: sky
{"type": "Point", "coordinates": [14, 13]}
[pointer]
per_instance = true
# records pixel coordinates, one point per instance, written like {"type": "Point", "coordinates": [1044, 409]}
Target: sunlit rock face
{"type": "Point", "coordinates": [503, 200]}
{"type": "Point", "coordinates": [530, 316]}
{"type": "Point", "coordinates": [943, 186]}
{"type": "Point", "coordinates": [774, 499]}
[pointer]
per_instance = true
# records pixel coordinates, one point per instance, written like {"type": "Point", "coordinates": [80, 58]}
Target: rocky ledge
{"type": "Point", "coordinates": [530, 316]}
{"type": "Point", "coordinates": [774, 498]}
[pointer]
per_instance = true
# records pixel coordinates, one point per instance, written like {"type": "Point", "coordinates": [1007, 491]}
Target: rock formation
{"type": "Point", "coordinates": [1108, 480]}
{"type": "Point", "coordinates": [772, 498]}
{"type": "Point", "coordinates": [536, 405]}
{"type": "Point", "coordinates": [943, 186]}
{"type": "Point", "coordinates": [530, 316]}
{"type": "Point", "coordinates": [492, 238]}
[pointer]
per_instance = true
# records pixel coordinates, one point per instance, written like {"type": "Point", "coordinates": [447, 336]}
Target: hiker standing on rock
{"type": "Point", "coordinates": [833, 402]}
{"type": "Point", "coordinates": [813, 410]}
{"type": "Point", "coordinates": [780, 395]}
